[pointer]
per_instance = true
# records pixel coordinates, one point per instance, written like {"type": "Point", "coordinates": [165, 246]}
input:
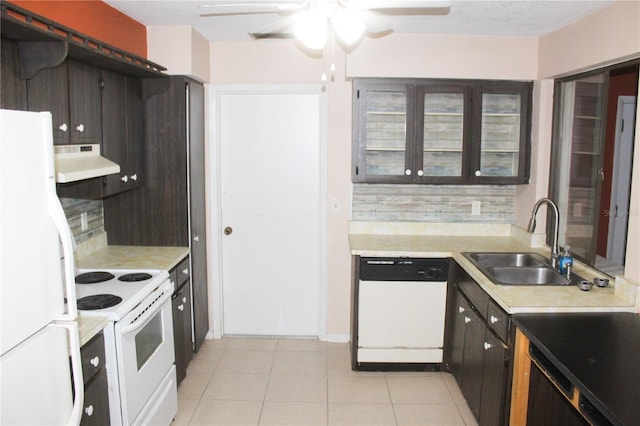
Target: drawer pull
{"type": "Point", "coordinates": [184, 299]}
{"type": "Point", "coordinates": [185, 271]}
{"type": "Point", "coordinates": [494, 319]}
{"type": "Point", "coordinates": [89, 410]}
{"type": "Point", "coordinates": [181, 307]}
{"type": "Point", "coordinates": [467, 320]}
{"type": "Point", "coordinates": [460, 309]}
{"type": "Point", "coordinates": [95, 361]}
{"type": "Point", "coordinates": [487, 346]}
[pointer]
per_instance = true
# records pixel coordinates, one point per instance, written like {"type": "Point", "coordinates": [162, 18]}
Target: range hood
{"type": "Point", "coordinates": [78, 162]}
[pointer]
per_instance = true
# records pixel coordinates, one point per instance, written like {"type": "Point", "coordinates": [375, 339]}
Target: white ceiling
{"type": "Point", "coordinates": [479, 17]}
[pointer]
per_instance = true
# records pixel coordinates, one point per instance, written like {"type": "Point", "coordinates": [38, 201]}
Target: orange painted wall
{"type": "Point", "coordinates": [95, 19]}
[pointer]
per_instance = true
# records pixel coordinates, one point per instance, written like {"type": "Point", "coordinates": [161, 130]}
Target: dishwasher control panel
{"type": "Point", "coordinates": [403, 269]}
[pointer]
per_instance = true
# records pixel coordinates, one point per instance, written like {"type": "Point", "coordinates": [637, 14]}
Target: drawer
{"type": "Point", "coordinates": [95, 410]}
{"type": "Point", "coordinates": [183, 271]}
{"type": "Point", "coordinates": [478, 298]}
{"type": "Point", "coordinates": [92, 356]}
{"type": "Point", "coordinates": [498, 321]}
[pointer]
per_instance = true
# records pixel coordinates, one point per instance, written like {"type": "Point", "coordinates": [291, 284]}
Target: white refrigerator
{"type": "Point", "coordinates": [40, 367]}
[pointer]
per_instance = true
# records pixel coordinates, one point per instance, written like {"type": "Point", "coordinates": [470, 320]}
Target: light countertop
{"type": "Point", "coordinates": [133, 257]}
{"type": "Point", "coordinates": [123, 257]}
{"type": "Point", "coordinates": [450, 240]}
{"type": "Point", "coordinates": [89, 327]}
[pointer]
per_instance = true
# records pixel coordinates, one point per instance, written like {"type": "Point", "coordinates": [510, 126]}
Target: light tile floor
{"type": "Point", "coordinates": [241, 381]}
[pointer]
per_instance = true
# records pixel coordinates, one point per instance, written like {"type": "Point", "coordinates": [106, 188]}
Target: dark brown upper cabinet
{"type": "Point", "coordinates": [441, 131]}
{"type": "Point", "coordinates": [71, 91]}
{"type": "Point", "coordinates": [122, 131]}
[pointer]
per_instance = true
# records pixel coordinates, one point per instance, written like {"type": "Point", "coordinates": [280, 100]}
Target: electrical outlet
{"type": "Point", "coordinates": [84, 222]}
{"type": "Point", "coordinates": [475, 208]}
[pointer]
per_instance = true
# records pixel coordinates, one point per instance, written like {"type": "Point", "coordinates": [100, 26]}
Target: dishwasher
{"type": "Point", "coordinates": [400, 319]}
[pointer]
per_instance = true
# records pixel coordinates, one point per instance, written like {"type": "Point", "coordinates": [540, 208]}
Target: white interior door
{"type": "Point", "coordinates": [270, 201]}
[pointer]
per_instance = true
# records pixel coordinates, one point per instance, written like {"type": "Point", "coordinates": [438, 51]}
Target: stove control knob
{"type": "Point", "coordinates": [95, 361]}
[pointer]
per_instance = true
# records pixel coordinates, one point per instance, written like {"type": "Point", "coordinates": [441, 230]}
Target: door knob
{"type": "Point", "coordinates": [228, 230]}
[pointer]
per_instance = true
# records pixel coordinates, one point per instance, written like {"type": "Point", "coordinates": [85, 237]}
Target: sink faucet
{"type": "Point", "coordinates": [555, 250]}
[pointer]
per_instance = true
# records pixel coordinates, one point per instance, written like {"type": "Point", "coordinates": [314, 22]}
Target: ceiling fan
{"type": "Point", "coordinates": [313, 21]}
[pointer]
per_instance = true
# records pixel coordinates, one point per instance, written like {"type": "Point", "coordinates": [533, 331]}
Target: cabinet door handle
{"type": "Point", "coordinates": [89, 410]}
{"type": "Point", "coordinates": [467, 320]}
{"type": "Point", "coordinates": [125, 178]}
{"type": "Point", "coordinates": [493, 319]}
{"type": "Point", "coordinates": [184, 299]}
{"type": "Point", "coordinates": [407, 172]}
{"type": "Point", "coordinates": [420, 173]}
{"type": "Point", "coordinates": [63, 127]}
{"type": "Point", "coordinates": [487, 346]}
{"type": "Point", "coordinates": [185, 271]}
{"type": "Point", "coordinates": [460, 309]}
{"type": "Point", "coordinates": [95, 361]}
{"type": "Point", "coordinates": [80, 128]}
{"type": "Point", "coordinates": [134, 177]}
{"type": "Point", "coordinates": [197, 237]}
{"type": "Point", "coordinates": [478, 173]}
{"type": "Point", "coordinates": [181, 307]}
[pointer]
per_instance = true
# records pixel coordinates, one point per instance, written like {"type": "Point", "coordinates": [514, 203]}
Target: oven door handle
{"type": "Point", "coordinates": [141, 322]}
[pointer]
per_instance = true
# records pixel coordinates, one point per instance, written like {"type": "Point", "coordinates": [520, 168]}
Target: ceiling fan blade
{"type": "Point", "coordinates": [228, 7]}
{"type": "Point", "coordinates": [400, 7]}
{"type": "Point", "coordinates": [280, 29]}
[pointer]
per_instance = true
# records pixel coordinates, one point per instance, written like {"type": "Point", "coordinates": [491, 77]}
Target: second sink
{"type": "Point", "coordinates": [526, 276]}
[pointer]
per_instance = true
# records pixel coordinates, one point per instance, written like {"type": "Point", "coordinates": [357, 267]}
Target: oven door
{"type": "Point", "coordinates": [144, 345]}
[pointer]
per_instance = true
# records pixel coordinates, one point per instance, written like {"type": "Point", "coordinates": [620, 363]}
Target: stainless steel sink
{"type": "Point", "coordinates": [526, 276]}
{"type": "Point", "coordinates": [505, 268]}
{"type": "Point", "coordinates": [508, 259]}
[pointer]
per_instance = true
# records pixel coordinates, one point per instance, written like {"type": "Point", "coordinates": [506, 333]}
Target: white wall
{"type": "Point", "coordinates": [181, 49]}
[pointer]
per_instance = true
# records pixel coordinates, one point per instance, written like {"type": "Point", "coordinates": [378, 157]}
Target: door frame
{"type": "Point", "coordinates": [214, 221]}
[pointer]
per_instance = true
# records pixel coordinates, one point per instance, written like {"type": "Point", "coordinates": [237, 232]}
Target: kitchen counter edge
{"type": "Point", "coordinates": [620, 297]}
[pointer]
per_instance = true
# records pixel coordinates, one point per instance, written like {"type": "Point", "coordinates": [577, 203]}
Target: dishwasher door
{"type": "Point", "coordinates": [401, 321]}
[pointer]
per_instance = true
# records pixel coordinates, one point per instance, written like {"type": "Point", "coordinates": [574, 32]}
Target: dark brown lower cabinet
{"type": "Point", "coordinates": [181, 311]}
{"type": "Point", "coordinates": [95, 409]}
{"type": "Point", "coordinates": [474, 353]}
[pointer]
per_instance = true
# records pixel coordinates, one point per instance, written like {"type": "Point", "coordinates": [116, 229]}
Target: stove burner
{"type": "Point", "coordinates": [94, 277]}
{"type": "Point", "coordinates": [134, 277]}
{"type": "Point", "coordinates": [98, 301]}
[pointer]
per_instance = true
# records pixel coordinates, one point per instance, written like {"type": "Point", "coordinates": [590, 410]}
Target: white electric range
{"type": "Point", "coordinates": [138, 341]}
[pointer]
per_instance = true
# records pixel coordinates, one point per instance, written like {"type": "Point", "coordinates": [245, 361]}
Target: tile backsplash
{"type": "Point", "coordinates": [74, 208]}
{"type": "Point", "coordinates": [433, 203]}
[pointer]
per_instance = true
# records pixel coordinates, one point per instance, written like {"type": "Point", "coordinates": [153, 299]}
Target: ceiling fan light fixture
{"type": "Point", "coordinates": [348, 26]}
{"type": "Point", "coordinates": [311, 29]}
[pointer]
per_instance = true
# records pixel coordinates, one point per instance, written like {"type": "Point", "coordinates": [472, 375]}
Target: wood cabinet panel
{"type": "Point", "coordinates": [170, 208]}
{"type": "Point", "coordinates": [48, 90]}
{"type": "Point", "coordinates": [71, 91]}
{"type": "Point", "coordinates": [473, 353]}
{"type": "Point", "coordinates": [13, 93]}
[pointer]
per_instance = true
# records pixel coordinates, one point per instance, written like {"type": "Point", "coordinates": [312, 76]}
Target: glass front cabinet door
{"type": "Point", "coordinates": [441, 131]}
{"type": "Point", "coordinates": [502, 123]}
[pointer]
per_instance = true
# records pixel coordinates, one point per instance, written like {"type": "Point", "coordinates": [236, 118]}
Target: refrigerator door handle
{"type": "Point", "coordinates": [66, 237]}
{"type": "Point", "coordinates": [76, 367]}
